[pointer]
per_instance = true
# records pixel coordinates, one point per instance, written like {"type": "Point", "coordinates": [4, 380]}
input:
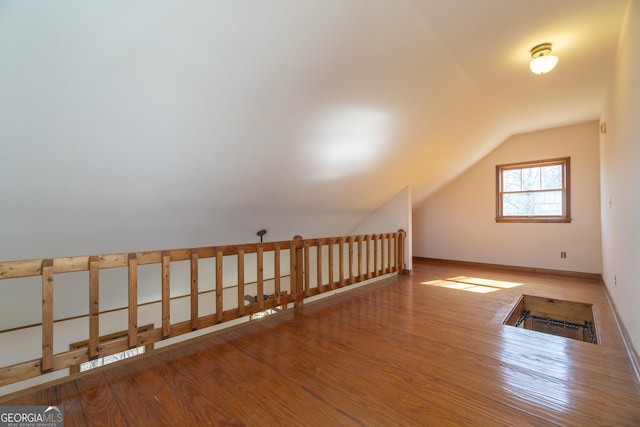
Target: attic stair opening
{"type": "Point", "coordinates": [566, 319]}
{"type": "Point", "coordinates": [110, 358]}
{"type": "Point", "coordinates": [253, 299]}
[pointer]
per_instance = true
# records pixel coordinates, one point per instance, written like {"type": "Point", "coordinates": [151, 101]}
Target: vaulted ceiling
{"type": "Point", "coordinates": [165, 123]}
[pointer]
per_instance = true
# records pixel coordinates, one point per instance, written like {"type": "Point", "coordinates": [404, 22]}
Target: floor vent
{"type": "Point", "coordinates": [567, 319]}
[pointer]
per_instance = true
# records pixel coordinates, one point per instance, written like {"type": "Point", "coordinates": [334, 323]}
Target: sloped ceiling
{"type": "Point", "coordinates": [155, 124]}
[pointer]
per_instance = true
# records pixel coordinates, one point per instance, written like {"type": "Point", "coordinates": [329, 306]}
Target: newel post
{"type": "Point", "coordinates": [297, 274]}
{"type": "Point", "coordinates": [401, 253]}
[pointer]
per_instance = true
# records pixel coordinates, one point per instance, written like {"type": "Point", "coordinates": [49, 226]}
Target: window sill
{"type": "Point", "coordinates": [536, 220]}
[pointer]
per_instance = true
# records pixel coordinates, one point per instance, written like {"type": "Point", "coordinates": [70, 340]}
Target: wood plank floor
{"type": "Point", "coordinates": [410, 350]}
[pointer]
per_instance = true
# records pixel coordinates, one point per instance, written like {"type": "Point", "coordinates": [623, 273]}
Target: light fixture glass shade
{"type": "Point", "coordinates": [543, 64]}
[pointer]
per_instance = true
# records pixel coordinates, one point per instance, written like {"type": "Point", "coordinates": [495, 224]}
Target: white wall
{"type": "Point", "coordinates": [164, 125]}
{"type": "Point", "coordinates": [458, 222]}
{"type": "Point", "coordinates": [619, 154]}
{"type": "Point", "coordinates": [394, 215]}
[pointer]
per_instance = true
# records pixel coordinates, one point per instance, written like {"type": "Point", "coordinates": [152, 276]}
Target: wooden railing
{"type": "Point", "coordinates": [312, 270]}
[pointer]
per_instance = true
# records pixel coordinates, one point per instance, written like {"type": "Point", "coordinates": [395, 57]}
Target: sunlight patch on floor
{"type": "Point", "coordinates": [473, 284]}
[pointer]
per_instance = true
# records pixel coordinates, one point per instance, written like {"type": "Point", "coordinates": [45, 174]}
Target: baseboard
{"type": "Point", "coordinates": [579, 274]}
{"type": "Point", "coordinates": [626, 338]}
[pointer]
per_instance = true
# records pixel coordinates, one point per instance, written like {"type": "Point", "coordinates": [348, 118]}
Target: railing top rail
{"type": "Point", "coordinates": [33, 267]}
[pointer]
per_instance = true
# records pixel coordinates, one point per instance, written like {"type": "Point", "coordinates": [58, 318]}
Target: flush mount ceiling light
{"type": "Point", "coordinates": [541, 59]}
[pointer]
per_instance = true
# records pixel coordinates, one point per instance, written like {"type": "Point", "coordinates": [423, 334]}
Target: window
{"type": "Point", "coordinates": [535, 191]}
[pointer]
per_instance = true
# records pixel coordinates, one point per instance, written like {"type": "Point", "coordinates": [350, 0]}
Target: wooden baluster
{"type": "Point", "coordinates": [307, 273]}
{"type": "Point", "coordinates": [375, 255]}
{"type": "Point", "coordinates": [94, 306]}
{"type": "Point", "coordinates": [382, 253]}
{"type": "Point", "coordinates": [368, 244]}
{"type": "Point", "coordinates": [133, 300]}
{"type": "Point", "coordinates": [166, 294]}
{"type": "Point", "coordinates": [351, 269]}
{"type": "Point", "coordinates": [240, 281]}
{"type": "Point", "coordinates": [319, 265]}
{"type": "Point", "coordinates": [296, 271]}
{"type": "Point", "coordinates": [395, 252]}
{"type": "Point", "coordinates": [47, 316]}
{"type": "Point", "coordinates": [389, 253]}
{"type": "Point", "coordinates": [332, 283]}
{"type": "Point", "coordinates": [341, 261]}
{"type": "Point", "coordinates": [292, 269]}
{"type": "Point", "coordinates": [360, 273]}
{"type": "Point", "coordinates": [260, 268]}
{"type": "Point", "coordinates": [194, 290]}
{"type": "Point", "coordinates": [276, 273]}
{"type": "Point", "coordinates": [219, 285]}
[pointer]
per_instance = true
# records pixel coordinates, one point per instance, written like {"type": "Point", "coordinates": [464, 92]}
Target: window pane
{"type": "Point", "coordinates": [551, 177]}
{"type": "Point", "coordinates": [531, 179]}
{"type": "Point", "coordinates": [512, 180]}
{"type": "Point", "coordinates": [530, 204]}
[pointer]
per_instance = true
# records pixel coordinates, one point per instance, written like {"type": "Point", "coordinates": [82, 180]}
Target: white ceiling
{"type": "Point", "coordinates": [209, 117]}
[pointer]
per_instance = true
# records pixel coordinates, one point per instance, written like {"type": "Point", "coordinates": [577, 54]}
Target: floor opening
{"type": "Point", "coordinates": [567, 319]}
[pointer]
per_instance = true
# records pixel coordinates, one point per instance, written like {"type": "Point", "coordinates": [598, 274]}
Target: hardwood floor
{"type": "Point", "coordinates": [405, 351]}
